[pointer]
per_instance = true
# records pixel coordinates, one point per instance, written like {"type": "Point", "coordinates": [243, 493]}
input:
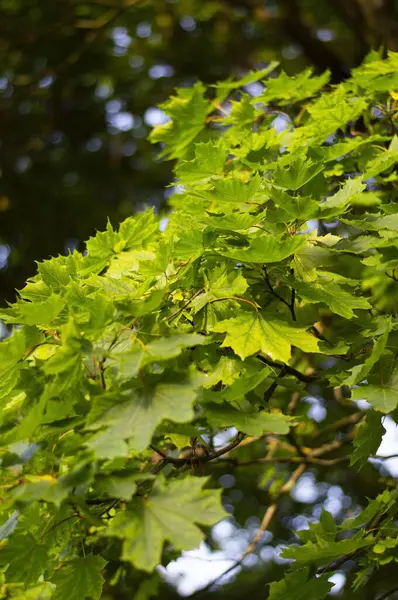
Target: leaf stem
{"type": "Point", "coordinates": [271, 289]}
{"type": "Point", "coordinates": [288, 370]}
{"type": "Point", "coordinates": [235, 298]}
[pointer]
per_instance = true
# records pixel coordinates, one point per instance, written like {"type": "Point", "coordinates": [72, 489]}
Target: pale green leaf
{"type": "Point", "coordinates": [188, 110]}
{"type": "Point", "coordinates": [367, 439]}
{"type": "Point", "coordinates": [80, 579]}
{"type": "Point", "coordinates": [43, 591]}
{"type": "Point", "coordinates": [325, 552]}
{"type": "Point", "coordinates": [382, 396]}
{"type": "Point", "coordinates": [265, 249]}
{"type": "Point", "coordinates": [288, 89]}
{"type": "Point", "coordinates": [359, 372]}
{"type": "Point", "coordinates": [341, 199]}
{"type": "Point", "coordinates": [26, 558]}
{"type": "Point", "coordinates": [299, 171]}
{"type": "Point", "coordinates": [161, 349]}
{"type": "Point", "coordinates": [297, 586]}
{"type": "Point", "coordinates": [252, 332]}
{"type": "Point", "coordinates": [170, 513]}
{"type": "Point", "coordinates": [333, 295]}
{"type": "Point", "coordinates": [253, 423]}
{"type": "Point", "coordinates": [136, 418]}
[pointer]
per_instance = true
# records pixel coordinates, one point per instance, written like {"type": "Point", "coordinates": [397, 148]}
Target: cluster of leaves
{"type": "Point", "coordinates": [79, 83]}
{"type": "Point", "coordinates": [272, 279]}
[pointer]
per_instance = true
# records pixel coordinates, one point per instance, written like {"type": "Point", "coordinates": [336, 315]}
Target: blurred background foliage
{"type": "Point", "coordinates": [80, 80]}
{"type": "Point", "coordinates": [79, 85]}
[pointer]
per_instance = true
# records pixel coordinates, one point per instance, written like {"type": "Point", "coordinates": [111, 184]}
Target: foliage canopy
{"type": "Point", "coordinates": [175, 350]}
{"type": "Point", "coordinates": [80, 80]}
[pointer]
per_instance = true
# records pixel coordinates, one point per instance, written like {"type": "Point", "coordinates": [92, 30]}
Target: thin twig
{"type": "Point", "coordinates": [179, 462]}
{"type": "Point", "coordinates": [272, 509]}
{"type": "Point", "coordinates": [235, 298]}
{"type": "Point", "coordinates": [74, 516]}
{"type": "Point", "coordinates": [183, 307]}
{"type": "Point", "coordinates": [158, 451]}
{"type": "Point", "coordinates": [350, 420]}
{"type": "Point", "coordinates": [292, 300]}
{"type": "Point", "coordinates": [272, 291]}
{"type": "Point", "coordinates": [102, 373]}
{"type": "Point", "coordinates": [378, 457]}
{"type": "Point", "coordinates": [288, 370]}
{"type": "Point", "coordinates": [293, 403]}
{"type": "Point", "coordinates": [387, 594]}
{"type": "Point", "coordinates": [285, 460]}
{"type": "Point", "coordinates": [272, 388]}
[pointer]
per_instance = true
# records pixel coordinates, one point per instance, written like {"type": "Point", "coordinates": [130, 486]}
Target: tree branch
{"type": "Point", "coordinates": [272, 509]}
{"type": "Point", "coordinates": [180, 462]}
{"type": "Point", "coordinates": [288, 370]}
{"type": "Point", "coordinates": [272, 291]}
{"type": "Point", "coordinates": [389, 593]}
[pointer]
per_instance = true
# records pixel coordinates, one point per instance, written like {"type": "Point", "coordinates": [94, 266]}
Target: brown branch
{"type": "Point", "coordinates": [272, 291]}
{"type": "Point", "coordinates": [288, 370]}
{"type": "Point", "coordinates": [272, 388]}
{"type": "Point", "coordinates": [160, 452]}
{"type": "Point", "coordinates": [285, 460]}
{"type": "Point", "coordinates": [350, 420]}
{"type": "Point", "coordinates": [180, 462]}
{"type": "Point", "coordinates": [272, 509]}
{"type": "Point", "coordinates": [102, 373]}
{"type": "Point", "coordinates": [389, 593]}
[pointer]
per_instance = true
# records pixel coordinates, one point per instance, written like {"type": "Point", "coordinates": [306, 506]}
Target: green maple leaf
{"type": "Point", "coordinates": [299, 171]}
{"type": "Point", "coordinates": [227, 371]}
{"type": "Point", "coordinates": [34, 313]}
{"type": "Point", "coordinates": [245, 384]}
{"type": "Point", "coordinates": [136, 231]}
{"type": "Point", "coordinates": [359, 372]}
{"type": "Point", "coordinates": [136, 418]}
{"type": "Point", "coordinates": [297, 586]}
{"type": "Point", "coordinates": [80, 579]}
{"type": "Point", "coordinates": [12, 350]}
{"type": "Point", "coordinates": [333, 295]}
{"type": "Point", "coordinates": [328, 113]}
{"type": "Point", "coordinates": [232, 222]}
{"type": "Point", "coordinates": [235, 190]}
{"type": "Point", "coordinates": [168, 514]}
{"type": "Point", "coordinates": [208, 162]}
{"type": "Point", "coordinates": [251, 77]}
{"type": "Point", "coordinates": [188, 111]}
{"type": "Point", "coordinates": [225, 282]}
{"type": "Point", "coordinates": [252, 332]}
{"type": "Point", "coordinates": [292, 89]}
{"type": "Point", "coordinates": [221, 283]}
{"type": "Point", "coordinates": [26, 558]}
{"type": "Point", "coordinates": [265, 249]}
{"type": "Point", "coordinates": [252, 423]}
{"type": "Point", "coordinates": [367, 439]}
{"type": "Point", "coordinates": [43, 591]}
{"type": "Point", "coordinates": [383, 395]}
{"type": "Point", "coordinates": [383, 161]}
{"type": "Point", "coordinates": [117, 486]}
{"type": "Point", "coordinates": [162, 349]}
{"type": "Point", "coordinates": [336, 204]}
{"type": "Point", "coordinates": [56, 272]}
{"type": "Point", "coordinates": [324, 551]}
